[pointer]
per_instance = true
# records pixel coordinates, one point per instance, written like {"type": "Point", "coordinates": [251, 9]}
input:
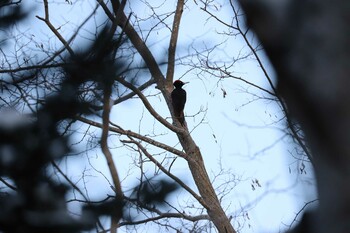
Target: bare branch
{"type": "Point", "coordinates": [8, 184]}
{"type": "Point", "coordinates": [159, 165]}
{"type": "Point", "coordinates": [53, 29]}
{"type": "Point", "coordinates": [150, 108]}
{"type": "Point", "coordinates": [301, 211]}
{"type": "Point", "coordinates": [131, 94]}
{"type": "Point", "coordinates": [137, 42]}
{"type": "Point", "coordinates": [108, 154]}
{"type": "Point", "coordinates": [119, 130]}
{"type": "Point", "coordinates": [168, 215]}
{"type": "Point", "coordinates": [173, 42]}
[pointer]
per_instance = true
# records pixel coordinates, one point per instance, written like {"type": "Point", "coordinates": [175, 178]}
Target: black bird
{"type": "Point", "coordinates": [178, 97]}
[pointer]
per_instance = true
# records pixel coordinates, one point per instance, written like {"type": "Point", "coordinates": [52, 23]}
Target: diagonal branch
{"type": "Point", "coordinates": [131, 94]}
{"type": "Point", "coordinates": [159, 165]}
{"type": "Point", "coordinates": [121, 131]}
{"type": "Point", "coordinates": [150, 108]}
{"type": "Point", "coordinates": [275, 92]}
{"type": "Point", "coordinates": [53, 29]}
{"type": "Point", "coordinates": [135, 39]}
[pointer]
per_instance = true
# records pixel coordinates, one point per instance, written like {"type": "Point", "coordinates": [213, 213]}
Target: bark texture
{"type": "Point", "coordinates": [205, 188]}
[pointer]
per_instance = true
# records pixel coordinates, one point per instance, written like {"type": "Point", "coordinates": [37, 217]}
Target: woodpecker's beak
{"type": "Point", "coordinates": [185, 82]}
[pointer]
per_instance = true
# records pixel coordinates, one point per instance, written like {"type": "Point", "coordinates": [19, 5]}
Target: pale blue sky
{"type": "Point", "coordinates": [248, 141]}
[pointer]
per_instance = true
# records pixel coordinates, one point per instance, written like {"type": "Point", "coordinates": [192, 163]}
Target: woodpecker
{"type": "Point", "coordinates": [178, 97]}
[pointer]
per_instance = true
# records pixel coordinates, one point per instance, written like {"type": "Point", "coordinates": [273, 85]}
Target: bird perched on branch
{"type": "Point", "coordinates": [178, 97]}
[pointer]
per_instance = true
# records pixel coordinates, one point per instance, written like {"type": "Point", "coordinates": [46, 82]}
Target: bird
{"type": "Point", "coordinates": [178, 98]}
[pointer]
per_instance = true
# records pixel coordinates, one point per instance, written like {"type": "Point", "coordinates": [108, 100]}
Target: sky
{"type": "Point", "coordinates": [239, 133]}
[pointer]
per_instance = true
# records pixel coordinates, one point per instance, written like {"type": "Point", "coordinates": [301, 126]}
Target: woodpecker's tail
{"type": "Point", "coordinates": [182, 118]}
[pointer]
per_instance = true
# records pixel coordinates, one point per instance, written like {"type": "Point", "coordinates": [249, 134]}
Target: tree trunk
{"type": "Point", "coordinates": [195, 161]}
{"type": "Point", "coordinates": [205, 188]}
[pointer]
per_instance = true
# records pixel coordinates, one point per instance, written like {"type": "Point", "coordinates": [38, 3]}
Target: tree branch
{"type": "Point", "coordinates": [138, 43]}
{"type": "Point", "coordinates": [150, 108]}
{"type": "Point", "coordinates": [131, 94]}
{"type": "Point", "coordinates": [168, 215]}
{"type": "Point", "coordinates": [173, 42]}
{"type": "Point", "coordinates": [53, 29]}
{"type": "Point", "coordinates": [119, 130]}
{"type": "Point", "coordinates": [159, 165]}
{"type": "Point", "coordinates": [104, 146]}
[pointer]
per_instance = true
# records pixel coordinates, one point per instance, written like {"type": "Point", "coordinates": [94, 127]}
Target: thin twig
{"type": "Point", "coordinates": [130, 133]}
{"type": "Point", "coordinates": [53, 29]}
{"type": "Point", "coordinates": [165, 171]}
{"type": "Point", "coordinates": [301, 211]}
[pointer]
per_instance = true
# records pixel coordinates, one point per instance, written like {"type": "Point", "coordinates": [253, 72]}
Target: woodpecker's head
{"type": "Point", "coordinates": [179, 83]}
